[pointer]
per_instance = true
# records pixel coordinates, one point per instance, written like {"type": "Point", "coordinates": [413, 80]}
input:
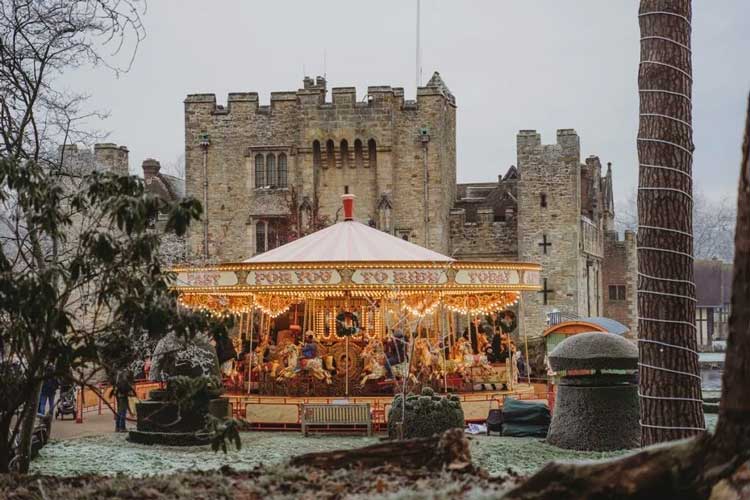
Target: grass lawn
{"type": "Point", "coordinates": [111, 454]}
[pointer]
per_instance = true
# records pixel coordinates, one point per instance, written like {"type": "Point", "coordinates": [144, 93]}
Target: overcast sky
{"type": "Point", "coordinates": [516, 65]}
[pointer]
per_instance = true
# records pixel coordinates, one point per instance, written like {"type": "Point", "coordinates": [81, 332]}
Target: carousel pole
{"type": "Point", "coordinates": [525, 338]}
{"type": "Point", "coordinates": [346, 376]}
{"type": "Point", "coordinates": [443, 342]}
{"type": "Point", "coordinates": [251, 320]}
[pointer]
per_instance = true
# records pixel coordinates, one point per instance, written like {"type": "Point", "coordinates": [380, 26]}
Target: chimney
{"type": "Point", "coordinates": [348, 201]}
{"type": "Point", "coordinates": [151, 168]}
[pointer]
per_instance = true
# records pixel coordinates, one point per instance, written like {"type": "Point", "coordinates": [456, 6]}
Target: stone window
{"type": "Point", "coordinates": [345, 153]}
{"type": "Point", "coordinates": [260, 171]}
{"type": "Point", "coordinates": [359, 159]}
{"type": "Point", "coordinates": [330, 154]}
{"type": "Point", "coordinates": [271, 169]}
{"type": "Point", "coordinates": [543, 200]}
{"type": "Point", "coordinates": [260, 236]}
{"type": "Point", "coordinates": [282, 171]}
{"type": "Point", "coordinates": [316, 154]}
{"type": "Point", "coordinates": [268, 235]}
{"type": "Point", "coordinates": [372, 154]}
{"type": "Point", "coordinates": [617, 292]}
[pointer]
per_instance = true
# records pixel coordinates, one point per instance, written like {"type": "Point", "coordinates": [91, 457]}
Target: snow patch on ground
{"type": "Point", "coordinates": [111, 454]}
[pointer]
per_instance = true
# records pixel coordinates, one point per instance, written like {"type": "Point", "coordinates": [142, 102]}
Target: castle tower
{"type": "Point", "coordinates": [252, 161]}
{"type": "Point", "coordinates": [111, 158]}
{"type": "Point", "coordinates": [549, 222]}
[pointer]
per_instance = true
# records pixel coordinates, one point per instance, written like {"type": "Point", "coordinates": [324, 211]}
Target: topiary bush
{"type": "Point", "coordinates": [426, 414]}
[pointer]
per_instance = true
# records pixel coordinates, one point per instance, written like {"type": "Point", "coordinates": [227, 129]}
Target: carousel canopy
{"type": "Point", "coordinates": [351, 260]}
{"type": "Point", "coordinates": [349, 241]}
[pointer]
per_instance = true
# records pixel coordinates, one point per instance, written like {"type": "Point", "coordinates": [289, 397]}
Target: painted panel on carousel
{"type": "Point", "coordinates": [399, 277]}
{"type": "Point", "coordinates": [206, 278]}
{"type": "Point", "coordinates": [487, 277]}
{"type": "Point", "coordinates": [298, 277]}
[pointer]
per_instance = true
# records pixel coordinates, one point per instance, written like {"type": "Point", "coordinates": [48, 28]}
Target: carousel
{"type": "Point", "coordinates": [351, 311]}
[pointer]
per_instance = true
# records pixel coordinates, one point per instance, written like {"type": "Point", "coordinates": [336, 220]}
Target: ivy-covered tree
{"type": "Point", "coordinates": [81, 279]}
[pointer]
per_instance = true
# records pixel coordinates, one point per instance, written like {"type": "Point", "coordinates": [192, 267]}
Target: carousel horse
{"type": "Point", "coordinates": [465, 355]}
{"type": "Point", "coordinates": [374, 358]}
{"type": "Point", "coordinates": [260, 352]}
{"type": "Point", "coordinates": [424, 360]}
{"type": "Point", "coordinates": [403, 371]}
{"type": "Point", "coordinates": [293, 365]}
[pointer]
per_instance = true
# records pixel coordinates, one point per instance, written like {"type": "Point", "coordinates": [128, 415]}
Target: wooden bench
{"type": "Point", "coordinates": [335, 415]}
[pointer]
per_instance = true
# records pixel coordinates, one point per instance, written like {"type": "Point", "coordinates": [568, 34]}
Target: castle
{"type": "Point", "coordinates": [398, 156]}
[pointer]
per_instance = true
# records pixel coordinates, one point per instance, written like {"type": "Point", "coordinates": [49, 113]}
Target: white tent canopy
{"type": "Point", "coordinates": [349, 241]}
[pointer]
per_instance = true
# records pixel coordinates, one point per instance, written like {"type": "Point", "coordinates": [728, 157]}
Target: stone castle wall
{"type": "Point", "coordinates": [549, 205]}
{"type": "Point", "coordinates": [485, 239]}
{"type": "Point", "coordinates": [375, 147]}
{"type": "Point", "coordinates": [621, 268]}
{"type": "Point", "coordinates": [319, 140]}
{"type": "Point", "coordinates": [105, 157]}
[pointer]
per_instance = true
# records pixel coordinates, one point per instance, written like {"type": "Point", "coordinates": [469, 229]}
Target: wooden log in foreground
{"type": "Point", "coordinates": [450, 450]}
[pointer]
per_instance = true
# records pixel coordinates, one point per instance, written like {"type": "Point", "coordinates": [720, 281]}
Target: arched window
{"type": "Point", "coordinates": [271, 169]}
{"type": "Point", "coordinates": [344, 153]}
{"type": "Point", "coordinates": [316, 154]}
{"type": "Point", "coordinates": [330, 154]}
{"type": "Point", "coordinates": [260, 171]}
{"type": "Point", "coordinates": [372, 154]}
{"type": "Point", "coordinates": [282, 171]}
{"type": "Point", "coordinates": [359, 159]}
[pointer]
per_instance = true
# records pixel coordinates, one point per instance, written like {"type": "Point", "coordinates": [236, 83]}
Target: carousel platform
{"type": "Point", "coordinates": [283, 412]}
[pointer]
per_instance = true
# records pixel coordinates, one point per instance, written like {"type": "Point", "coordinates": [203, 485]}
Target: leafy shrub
{"type": "Point", "coordinates": [426, 414]}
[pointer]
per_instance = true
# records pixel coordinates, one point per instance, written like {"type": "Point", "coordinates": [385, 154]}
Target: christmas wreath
{"type": "Point", "coordinates": [347, 324]}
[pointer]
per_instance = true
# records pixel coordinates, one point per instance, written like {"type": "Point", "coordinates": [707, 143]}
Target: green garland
{"type": "Point", "coordinates": [346, 331]}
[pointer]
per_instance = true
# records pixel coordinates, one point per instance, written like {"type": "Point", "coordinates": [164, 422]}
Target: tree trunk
{"type": "Point", "coordinates": [5, 444]}
{"type": "Point", "coordinates": [451, 450]}
{"type": "Point", "coordinates": [670, 384]}
{"type": "Point", "coordinates": [733, 429]}
{"type": "Point", "coordinates": [27, 429]}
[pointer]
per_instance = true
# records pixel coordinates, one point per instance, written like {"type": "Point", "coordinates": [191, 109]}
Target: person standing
{"type": "Point", "coordinates": [122, 390]}
{"type": "Point", "coordinates": [49, 388]}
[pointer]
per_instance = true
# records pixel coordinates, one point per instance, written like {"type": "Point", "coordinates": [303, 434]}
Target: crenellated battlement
{"type": "Point", "coordinates": [566, 138]}
{"type": "Point", "coordinates": [103, 157]}
{"type": "Point", "coordinates": [314, 92]}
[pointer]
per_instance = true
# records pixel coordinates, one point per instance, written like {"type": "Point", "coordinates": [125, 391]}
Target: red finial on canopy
{"type": "Point", "coordinates": [348, 200]}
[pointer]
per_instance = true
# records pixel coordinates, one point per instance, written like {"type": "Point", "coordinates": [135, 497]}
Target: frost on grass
{"type": "Point", "coordinates": [111, 454]}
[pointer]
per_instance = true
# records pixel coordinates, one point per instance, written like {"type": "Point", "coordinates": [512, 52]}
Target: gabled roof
{"type": "Point", "coordinates": [349, 241]}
